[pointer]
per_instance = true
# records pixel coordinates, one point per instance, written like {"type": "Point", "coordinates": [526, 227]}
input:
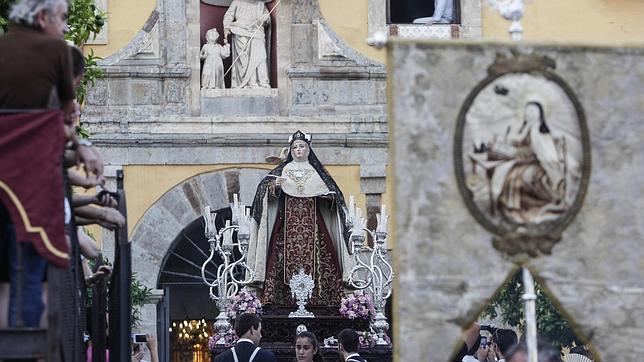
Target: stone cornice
{"type": "Point", "coordinates": [369, 140]}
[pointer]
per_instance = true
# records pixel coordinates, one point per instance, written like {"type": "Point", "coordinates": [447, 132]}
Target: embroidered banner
{"type": "Point", "coordinates": [31, 180]}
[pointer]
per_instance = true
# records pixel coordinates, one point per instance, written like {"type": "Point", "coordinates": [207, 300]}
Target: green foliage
{"type": "Point", "coordinates": [84, 21]}
{"type": "Point", "coordinates": [550, 323]}
{"type": "Point", "coordinates": [140, 293]}
{"type": "Point", "coordinates": [5, 5]}
{"type": "Point", "coordinates": [92, 72]}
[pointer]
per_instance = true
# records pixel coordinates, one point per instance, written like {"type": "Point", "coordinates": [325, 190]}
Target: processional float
{"type": "Point", "coordinates": [372, 271]}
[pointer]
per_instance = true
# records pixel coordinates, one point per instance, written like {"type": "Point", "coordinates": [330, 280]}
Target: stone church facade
{"type": "Point", "coordinates": [150, 118]}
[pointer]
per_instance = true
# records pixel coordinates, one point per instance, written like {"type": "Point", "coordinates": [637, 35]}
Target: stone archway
{"type": "Point", "coordinates": [178, 207]}
{"type": "Point", "coordinates": [181, 205]}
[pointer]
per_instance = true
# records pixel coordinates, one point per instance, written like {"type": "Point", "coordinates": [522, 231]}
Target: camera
{"type": "Point", "coordinates": [483, 341]}
{"type": "Point", "coordinates": [139, 338]}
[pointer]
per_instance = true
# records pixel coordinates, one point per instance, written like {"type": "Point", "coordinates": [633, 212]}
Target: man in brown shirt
{"type": "Point", "coordinates": [35, 61]}
{"type": "Point", "coordinates": [36, 65]}
{"type": "Point", "coordinates": [35, 73]}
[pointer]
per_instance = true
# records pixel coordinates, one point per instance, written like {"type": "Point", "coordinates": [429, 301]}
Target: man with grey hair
{"type": "Point", "coordinates": [35, 60]}
{"type": "Point", "coordinates": [35, 73]}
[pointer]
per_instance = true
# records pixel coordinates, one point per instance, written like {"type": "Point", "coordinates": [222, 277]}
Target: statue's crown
{"type": "Point", "coordinates": [299, 135]}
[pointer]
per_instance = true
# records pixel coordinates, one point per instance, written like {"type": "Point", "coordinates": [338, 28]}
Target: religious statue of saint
{"type": "Point", "coordinates": [246, 20]}
{"type": "Point", "coordinates": [528, 184]}
{"type": "Point", "coordinates": [299, 222]}
{"type": "Point", "coordinates": [213, 53]}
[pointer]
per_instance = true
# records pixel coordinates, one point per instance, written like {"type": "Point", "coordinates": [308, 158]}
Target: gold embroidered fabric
{"type": "Point", "coordinates": [302, 180]}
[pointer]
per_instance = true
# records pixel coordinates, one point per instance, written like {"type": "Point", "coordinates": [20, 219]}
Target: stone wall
{"type": "Point", "coordinates": [157, 76]}
{"type": "Point", "coordinates": [447, 266]}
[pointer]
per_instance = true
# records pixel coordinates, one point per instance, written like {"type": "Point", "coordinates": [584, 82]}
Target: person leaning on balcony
{"type": "Point", "coordinates": [35, 73]}
{"type": "Point", "coordinates": [36, 64]}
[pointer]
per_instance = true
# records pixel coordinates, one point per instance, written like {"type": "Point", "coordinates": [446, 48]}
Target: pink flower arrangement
{"type": "Point", "coordinates": [368, 339]}
{"type": "Point", "coordinates": [229, 337]}
{"type": "Point", "coordinates": [244, 301]}
{"type": "Point", "coordinates": [357, 305]}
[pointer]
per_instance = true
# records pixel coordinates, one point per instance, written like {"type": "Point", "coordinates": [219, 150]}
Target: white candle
{"type": "Point", "coordinates": [228, 235]}
{"type": "Point", "coordinates": [352, 210]}
{"type": "Point", "coordinates": [357, 222]}
{"type": "Point", "coordinates": [235, 208]}
{"type": "Point", "coordinates": [207, 216]}
{"type": "Point", "coordinates": [382, 219]}
{"type": "Point", "coordinates": [244, 222]}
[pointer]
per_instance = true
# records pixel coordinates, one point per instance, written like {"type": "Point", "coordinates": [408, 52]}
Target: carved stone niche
{"type": "Point", "coordinates": [395, 18]}
{"type": "Point", "coordinates": [228, 101]}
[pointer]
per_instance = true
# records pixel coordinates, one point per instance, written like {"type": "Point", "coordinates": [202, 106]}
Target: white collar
{"type": "Point", "coordinates": [245, 340]}
{"type": "Point", "coordinates": [352, 355]}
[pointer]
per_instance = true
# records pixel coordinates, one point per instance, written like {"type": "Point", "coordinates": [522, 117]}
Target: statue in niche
{"type": "Point", "coordinates": [443, 13]}
{"type": "Point", "coordinates": [212, 76]}
{"type": "Point", "coordinates": [247, 21]}
{"type": "Point", "coordinates": [299, 222]}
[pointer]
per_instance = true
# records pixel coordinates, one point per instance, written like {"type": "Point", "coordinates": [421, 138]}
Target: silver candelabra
{"type": "Point", "coordinates": [226, 283]}
{"type": "Point", "coordinates": [373, 273]}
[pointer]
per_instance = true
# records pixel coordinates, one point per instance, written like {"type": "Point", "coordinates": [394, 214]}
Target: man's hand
{"type": "Point", "coordinates": [482, 354]}
{"type": "Point", "coordinates": [138, 356]}
{"type": "Point", "coordinates": [152, 346]}
{"type": "Point", "coordinates": [77, 179]}
{"type": "Point", "coordinates": [226, 34]}
{"type": "Point", "coordinates": [102, 271]}
{"type": "Point", "coordinates": [104, 198]}
{"type": "Point", "coordinates": [112, 216]}
{"type": "Point", "coordinates": [91, 158]}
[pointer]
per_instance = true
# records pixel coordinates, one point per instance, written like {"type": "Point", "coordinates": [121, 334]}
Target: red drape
{"type": "Point", "coordinates": [31, 180]}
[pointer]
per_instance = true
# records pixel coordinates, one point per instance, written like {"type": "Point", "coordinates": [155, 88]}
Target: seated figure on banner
{"type": "Point", "coordinates": [299, 222]}
{"type": "Point", "coordinates": [247, 21]}
{"type": "Point", "coordinates": [529, 180]}
{"type": "Point", "coordinates": [212, 75]}
{"type": "Point", "coordinates": [531, 185]}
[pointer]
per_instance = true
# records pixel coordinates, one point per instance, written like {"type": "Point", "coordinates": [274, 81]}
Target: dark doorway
{"type": "Point", "coordinates": [405, 11]}
{"type": "Point", "coordinates": [190, 313]}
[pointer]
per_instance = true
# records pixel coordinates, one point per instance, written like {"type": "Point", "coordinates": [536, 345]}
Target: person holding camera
{"type": "Point", "coordinates": [138, 353]}
{"type": "Point", "coordinates": [502, 340]}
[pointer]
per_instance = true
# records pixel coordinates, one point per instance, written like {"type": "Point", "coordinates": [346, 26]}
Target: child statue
{"type": "Point", "coordinates": [212, 75]}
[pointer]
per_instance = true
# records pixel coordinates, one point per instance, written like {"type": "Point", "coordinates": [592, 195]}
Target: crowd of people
{"type": "Point", "coordinates": [40, 72]}
{"type": "Point", "coordinates": [505, 346]}
{"type": "Point", "coordinates": [248, 327]}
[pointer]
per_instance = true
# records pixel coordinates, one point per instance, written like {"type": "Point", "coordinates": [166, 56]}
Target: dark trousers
{"type": "Point", "coordinates": [33, 269]}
